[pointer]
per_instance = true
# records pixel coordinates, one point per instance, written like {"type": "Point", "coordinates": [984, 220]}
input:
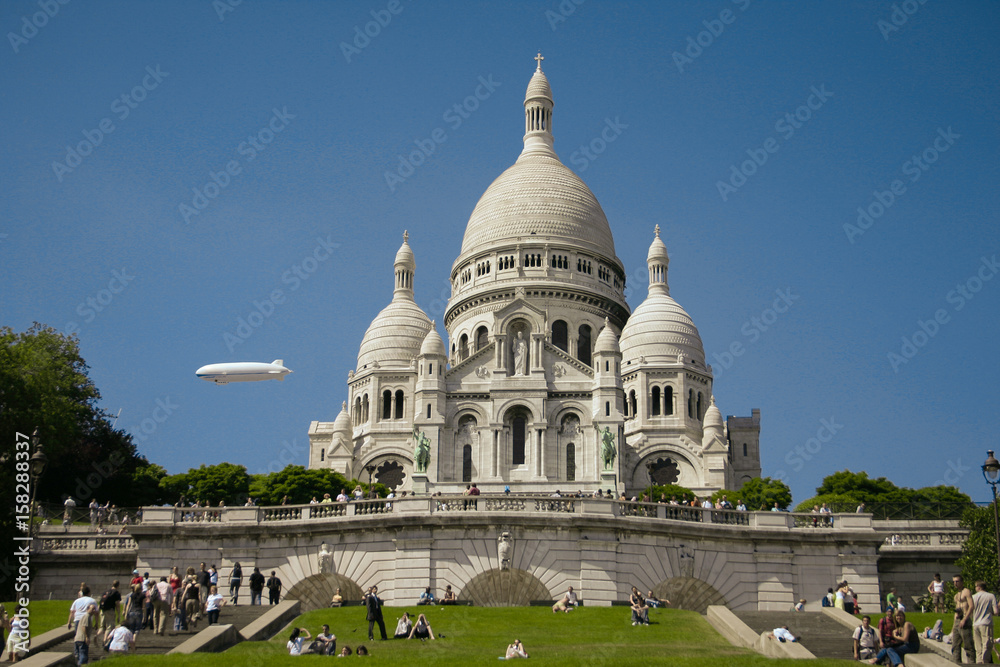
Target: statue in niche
{"type": "Point", "coordinates": [505, 543]}
{"type": "Point", "coordinates": [325, 559]}
{"type": "Point", "coordinates": [520, 355]}
{"type": "Point", "coordinates": [608, 448]}
{"type": "Point", "coordinates": [570, 426]}
{"type": "Point", "coordinates": [423, 450]}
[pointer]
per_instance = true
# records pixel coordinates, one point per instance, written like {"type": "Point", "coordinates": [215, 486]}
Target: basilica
{"type": "Point", "coordinates": [548, 379]}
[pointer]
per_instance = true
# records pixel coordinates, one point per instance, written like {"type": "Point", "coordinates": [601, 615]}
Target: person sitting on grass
{"type": "Point", "coordinates": [362, 651]}
{"type": "Point", "coordinates": [640, 610]}
{"type": "Point", "coordinates": [426, 597]}
{"type": "Point", "coordinates": [561, 605]}
{"type": "Point", "coordinates": [516, 650]}
{"type": "Point", "coordinates": [296, 640]}
{"type": "Point", "coordinates": [403, 627]}
{"type": "Point", "coordinates": [325, 643]}
{"type": "Point", "coordinates": [654, 601]}
{"type": "Point", "coordinates": [449, 596]}
{"type": "Point", "coordinates": [337, 600]}
{"type": "Point", "coordinates": [421, 629]}
{"type": "Point", "coordinates": [345, 652]}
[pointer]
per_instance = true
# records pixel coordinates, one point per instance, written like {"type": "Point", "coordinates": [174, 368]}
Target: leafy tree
{"type": "Point", "coordinates": [979, 553]}
{"type": "Point", "coordinates": [763, 492]}
{"type": "Point", "coordinates": [302, 485]}
{"type": "Point", "coordinates": [146, 484]}
{"type": "Point", "coordinates": [837, 502]}
{"type": "Point", "coordinates": [224, 482]}
{"type": "Point", "coordinates": [845, 490]}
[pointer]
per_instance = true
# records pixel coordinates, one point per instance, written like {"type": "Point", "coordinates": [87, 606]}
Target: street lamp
{"type": "Point", "coordinates": [991, 472]}
{"type": "Point", "coordinates": [650, 466]}
{"type": "Point", "coordinates": [371, 467]}
{"type": "Point", "coordinates": [37, 464]}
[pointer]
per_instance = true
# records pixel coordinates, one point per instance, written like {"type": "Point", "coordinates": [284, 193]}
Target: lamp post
{"type": "Point", "coordinates": [991, 472]}
{"type": "Point", "coordinates": [371, 467]}
{"type": "Point", "coordinates": [650, 466]}
{"type": "Point", "coordinates": [37, 464]}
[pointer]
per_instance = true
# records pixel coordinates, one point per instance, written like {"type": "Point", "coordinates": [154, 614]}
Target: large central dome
{"type": "Point", "coordinates": [538, 198]}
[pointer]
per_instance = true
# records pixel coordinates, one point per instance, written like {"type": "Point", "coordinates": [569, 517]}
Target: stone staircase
{"type": "Point", "coordinates": [149, 643]}
{"type": "Point", "coordinates": [822, 635]}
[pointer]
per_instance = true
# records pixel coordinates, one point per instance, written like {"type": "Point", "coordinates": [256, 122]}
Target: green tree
{"type": "Point", "coordinates": [763, 492]}
{"type": "Point", "coordinates": [223, 482]}
{"type": "Point", "coordinates": [845, 490]}
{"type": "Point", "coordinates": [301, 485]}
{"type": "Point", "coordinates": [979, 553]}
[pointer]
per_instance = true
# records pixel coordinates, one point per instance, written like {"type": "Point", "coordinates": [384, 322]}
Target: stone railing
{"type": "Point", "coordinates": [912, 534]}
{"type": "Point", "coordinates": [415, 506]}
{"type": "Point", "coordinates": [90, 543]}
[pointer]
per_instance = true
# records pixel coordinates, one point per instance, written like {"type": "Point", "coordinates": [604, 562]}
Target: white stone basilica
{"type": "Point", "coordinates": [549, 382]}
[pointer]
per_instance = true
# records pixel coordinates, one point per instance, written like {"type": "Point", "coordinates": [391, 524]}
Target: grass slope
{"type": "Point", "coordinates": [476, 636]}
{"type": "Point", "coordinates": [44, 614]}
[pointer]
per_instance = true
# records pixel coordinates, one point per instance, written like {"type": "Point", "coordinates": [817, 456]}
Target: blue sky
{"type": "Point", "coordinates": [751, 132]}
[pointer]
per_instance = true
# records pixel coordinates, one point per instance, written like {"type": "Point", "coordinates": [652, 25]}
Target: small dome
{"type": "Point", "coordinates": [404, 255]}
{"type": "Point", "coordinates": [713, 418]}
{"type": "Point", "coordinates": [658, 249]}
{"type": "Point", "coordinates": [342, 424]}
{"type": "Point", "coordinates": [433, 345]}
{"type": "Point", "coordinates": [607, 341]}
{"type": "Point", "coordinates": [395, 335]}
{"type": "Point", "coordinates": [538, 87]}
{"type": "Point", "coordinates": [659, 330]}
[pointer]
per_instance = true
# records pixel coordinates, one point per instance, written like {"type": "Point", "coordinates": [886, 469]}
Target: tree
{"type": "Point", "coordinates": [302, 485]}
{"type": "Point", "coordinates": [979, 553]}
{"type": "Point", "coordinates": [845, 490]}
{"type": "Point", "coordinates": [224, 482]}
{"type": "Point", "coordinates": [762, 492]}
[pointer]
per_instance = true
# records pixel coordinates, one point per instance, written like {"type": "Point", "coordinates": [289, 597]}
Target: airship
{"type": "Point", "coordinates": [243, 371]}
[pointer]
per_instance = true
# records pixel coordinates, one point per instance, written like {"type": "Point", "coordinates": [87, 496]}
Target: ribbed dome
{"type": "Point", "coordinates": [659, 329]}
{"type": "Point", "coordinates": [538, 86]}
{"type": "Point", "coordinates": [538, 197]}
{"type": "Point", "coordinates": [433, 345]}
{"type": "Point", "coordinates": [342, 424]}
{"type": "Point", "coordinates": [658, 249]}
{"type": "Point", "coordinates": [607, 341]}
{"type": "Point", "coordinates": [395, 335]}
{"type": "Point", "coordinates": [404, 256]}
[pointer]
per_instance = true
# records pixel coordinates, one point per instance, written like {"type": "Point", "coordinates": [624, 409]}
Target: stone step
{"type": "Point", "coordinates": [823, 636]}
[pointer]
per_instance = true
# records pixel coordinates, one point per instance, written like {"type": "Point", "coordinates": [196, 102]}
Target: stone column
{"type": "Point", "coordinates": [541, 453]}
{"type": "Point", "coordinates": [494, 472]}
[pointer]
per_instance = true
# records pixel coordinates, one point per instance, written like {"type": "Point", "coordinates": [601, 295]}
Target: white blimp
{"type": "Point", "coordinates": [243, 371]}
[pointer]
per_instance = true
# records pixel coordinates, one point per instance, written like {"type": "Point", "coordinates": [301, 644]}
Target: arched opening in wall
{"type": "Point", "coordinates": [668, 400]}
{"type": "Point", "coordinates": [518, 435]}
{"type": "Point", "coordinates": [505, 588]}
{"type": "Point", "coordinates": [322, 455]}
{"type": "Point", "coordinates": [688, 593]}
{"type": "Point", "coordinates": [560, 335]}
{"type": "Point", "coordinates": [744, 449]}
{"type": "Point", "coordinates": [463, 347]}
{"type": "Point", "coordinates": [364, 409]}
{"type": "Point", "coordinates": [482, 338]}
{"type": "Point", "coordinates": [467, 463]}
{"type": "Point", "coordinates": [519, 335]}
{"type": "Point", "coordinates": [571, 462]}
{"type": "Point", "coordinates": [661, 471]}
{"type": "Point", "coordinates": [390, 473]}
{"type": "Point", "coordinates": [583, 344]}
{"type": "Point", "coordinates": [701, 410]}
{"type": "Point", "coordinates": [386, 404]}
{"type": "Point", "coordinates": [399, 405]}
{"type": "Point", "coordinates": [631, 401]}
{"type": "Point", "coordinates": [357, 410]}
{"type": "Point", "coordinates": [607, 408]}
{"type": "Point", "coordinates": [654, 402]}
{"type": "Point", "coordinates": [690, 403]}
{"type": "Point", "coordinates": [314, 592]}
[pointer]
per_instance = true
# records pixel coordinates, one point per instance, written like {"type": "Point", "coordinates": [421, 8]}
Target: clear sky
{"type": "Point", "coordinates": [168, 166]}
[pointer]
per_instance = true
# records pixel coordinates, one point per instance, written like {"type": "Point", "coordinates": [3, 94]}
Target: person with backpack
{"type": "Point", "coordinates": [273, 588]}
{"type": "Point", "coordinates": [110, 608]}
{"type": "Point", "coordinates": [134, 609]}
{"type": "Point", "coordinates": [865, 640]}
{"type": "Point", "coordinates": [256, 586]}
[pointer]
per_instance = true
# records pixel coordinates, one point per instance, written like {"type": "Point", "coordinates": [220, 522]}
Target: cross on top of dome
{"type": "Point", "coordinates": [539, 58]}
{"type": "Point", "coordinates": [657, 231]}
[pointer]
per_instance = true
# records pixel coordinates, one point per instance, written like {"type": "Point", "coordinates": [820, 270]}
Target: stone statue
{"type": "Point", "coordinates": [325, 559]}
{"type": "Point", "coordinates": [520, 355]}
{"type": "Point", "coordinates": [608, 448]}
{"type": "Point", "coordinates": [505, 543]}
{"type": "Point", "coordinates": [423, 451]}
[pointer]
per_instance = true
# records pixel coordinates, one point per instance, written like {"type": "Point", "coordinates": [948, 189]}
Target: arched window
{"type": "Point", "coordinates": [583, 344]}
{"type": "Point", "coordinates": [467, 463]}
{"type": "Point", "coordinates": [322, 454]}
{"type": "Point", "coordinates": [607, 408]}
{"type": "Point", "coordinates": [691, 403]}
{"type": "Point", "coordinates": [701, 411]}
{"type": "Point", "coordinates": [631, 401]}
{"type": "Point", "coordinates": [463, 347]}
{"type": "Point", "coordinates": [399, 404]}
{"type": "Point", "coordinates": [519, 432]}
{"type": "Point", "coordinates": [654, 403]}
{"type": "Point", "coordinates": [428, 410]}
{"type": "Point", "coordinates": [626, 408]}
{"type": "Point", "coordinates": [357, 410]}
{"type": "Point", "coordinates": [668, 400]}
{"type": "Point", "coordinates": [744, 449]}
{"type": "Point", "coordinates": [386, 404]}
{"type": "Point", "coordinates": [571, 462]}
{"type": "Point", "coordinates": [560, 335]}
{"type": "Point", "coordinates": [482, 338]}
{"type": "Point", "coordinates": [364, 409]}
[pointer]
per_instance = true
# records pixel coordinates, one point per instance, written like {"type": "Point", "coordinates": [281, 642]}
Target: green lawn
{"type": "Point", "coordinates": [476, 636]}
{"type": "Point", "coordinates": [44, 614]}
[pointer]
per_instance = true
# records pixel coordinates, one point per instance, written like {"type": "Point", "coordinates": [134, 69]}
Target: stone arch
{"type": "Point", "coordinates": [662, 459]}
{"type": "Point", "coordinates": [505, 588]}
{"type": "Point", "coordinates": [316, 591]}
{"type": "Point", "coordinates": [688, 593]}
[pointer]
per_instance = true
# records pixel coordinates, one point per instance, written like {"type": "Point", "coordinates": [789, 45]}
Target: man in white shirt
{"type": "Point", "coordinates": [161, 606]}
{"type": "Point", "coordinates": [78, 609]}
{"type": "Point", "coordinates": [984, 607]}
{"type": "Point", "coordinates": [865, 640]}
{"type": "Point", "coordinates": [783, 635]}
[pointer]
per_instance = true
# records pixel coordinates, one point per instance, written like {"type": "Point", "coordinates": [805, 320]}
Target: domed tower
{"type": "Point", "coordinates": [535, 280]}
{"type": "Point", "coordinates": [667, 387]}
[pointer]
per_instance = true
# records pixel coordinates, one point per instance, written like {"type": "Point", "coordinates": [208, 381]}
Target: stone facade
{"type": "Point", "coordinates": [545, 359]}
